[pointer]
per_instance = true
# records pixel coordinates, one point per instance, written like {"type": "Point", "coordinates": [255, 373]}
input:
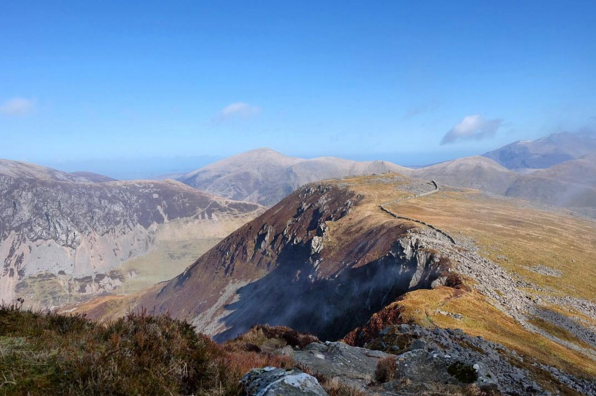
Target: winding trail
{"type": "Point", "coordinates": [436, 190]}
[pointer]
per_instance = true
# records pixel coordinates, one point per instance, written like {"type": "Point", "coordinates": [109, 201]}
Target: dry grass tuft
{"type": "Point", "coordinates": [264, 338]}
{"type": "Point", "coordinates": [386, 370]}
{"type": "Point", "coordinates": [47, 353]}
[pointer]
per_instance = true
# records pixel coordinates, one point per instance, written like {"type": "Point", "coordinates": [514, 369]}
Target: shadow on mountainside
{"type": "Point", "coordinates": [328, 308]}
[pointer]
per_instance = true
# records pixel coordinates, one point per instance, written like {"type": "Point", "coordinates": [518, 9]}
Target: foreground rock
{"type": "Point", "coordinates": [438, 356]}
{"type": "Point", "coordinates": [337, 361]}
{"type": "Point", "coordinates": [270, 381]}
{"type": "Point", "coordinates": [433, 361]}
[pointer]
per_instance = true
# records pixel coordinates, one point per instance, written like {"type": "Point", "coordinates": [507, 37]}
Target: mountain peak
{"type": "Point", "coordinates": [262, 150]}
{"type": "Point", "coordinates": [544, 152]}
{"type": "Point", "coordinates": [266, 176]}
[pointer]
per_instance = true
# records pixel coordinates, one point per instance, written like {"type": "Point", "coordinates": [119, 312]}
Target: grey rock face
{"type": "Point", "coordinates": [270, 381]}
{"type": "Point", "coordinates": [337, 361]}
{"type": "Point", "coordinates": [80, 229]}
{"type": "Point", "coordinates": [427, 356]}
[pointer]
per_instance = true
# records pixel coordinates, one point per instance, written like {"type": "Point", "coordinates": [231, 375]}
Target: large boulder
{"type": "Point", "coordinates": [340, 362]}
{"type": "Point", "coordinates": [271, 381]}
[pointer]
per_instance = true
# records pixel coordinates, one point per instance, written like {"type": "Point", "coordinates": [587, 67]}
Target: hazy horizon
{"type": "Point", "coordinates": [139, 168]}
{"type": "Point", "coordinates": [409, 83]}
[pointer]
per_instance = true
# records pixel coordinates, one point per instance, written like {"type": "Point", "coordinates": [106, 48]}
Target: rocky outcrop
{"type": "Point", "coordinates": [433, 360]}
{"type": "Point", "coordinates": [270, 381]}
{"type": "Point", "coordinates": [449, 355]}
{"type": "Point", "coordinates": [340, 362]}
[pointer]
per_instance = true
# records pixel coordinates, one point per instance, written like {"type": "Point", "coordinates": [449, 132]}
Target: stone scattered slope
{"type": "Point", "coordinates": [266, 176]}
{"type": "Point", "coordinates": [71, 234]}
{"type": "Point", "coordinates": [544, 152]}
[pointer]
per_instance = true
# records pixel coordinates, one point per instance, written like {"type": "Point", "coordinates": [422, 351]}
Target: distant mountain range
{"type": "Point", "coordinates": [266, 176]}
{"type": "Point", "coordinates": [16, 169]}
{"type": "Point", "coordinates": [562, 185]}
{"type": "Point", "coordinates": [568, 178]}
{"type": "Point", "coordinates": [93, 177]}
{"type": "Point", "coordinates": [62, 235]}
{"type": "Point", "coordinates": [527, 155]}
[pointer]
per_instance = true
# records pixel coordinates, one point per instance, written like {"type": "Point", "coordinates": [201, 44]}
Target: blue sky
{"type": "Point", "coordinates": [409, 81]}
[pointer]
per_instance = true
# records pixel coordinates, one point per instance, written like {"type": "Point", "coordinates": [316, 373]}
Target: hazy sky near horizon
{"type": "Point", "coordinates": [100, 80]}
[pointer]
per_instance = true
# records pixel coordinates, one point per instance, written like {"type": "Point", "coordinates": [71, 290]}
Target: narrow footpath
{"type": "Point", "coordinates": [383, 207]}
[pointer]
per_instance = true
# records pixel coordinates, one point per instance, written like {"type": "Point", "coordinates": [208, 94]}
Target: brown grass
{"type": "Point", "coordinates": [43, 354]}
{"type": "Point", "coordinates": [482, 319]}
{"type": "Point", "coordinates": [386, 370]}
{"type": "Point", "coordinates": [517, 237]}
{"type": "Point", "coordinates": [264, 338]}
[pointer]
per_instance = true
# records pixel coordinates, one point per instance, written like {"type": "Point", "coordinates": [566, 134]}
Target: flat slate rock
{"type": "Point", "coordinates": [270, 381]}
{"type": "Point", "coordinates": [350, 365]}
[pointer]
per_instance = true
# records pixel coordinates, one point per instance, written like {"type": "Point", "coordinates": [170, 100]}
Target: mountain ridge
{"type": "Point", "coordinates": [266, 176]}
{"type": "Point", "coordinates": [544, 152]}
{"type": "Point", "coordinates": [63, 239]}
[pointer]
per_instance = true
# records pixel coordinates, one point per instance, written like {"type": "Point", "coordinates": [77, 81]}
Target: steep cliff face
{"type": "Point", "coordinates": [318, 262]}
{"type": "Point", "coordinates": [76, 233]}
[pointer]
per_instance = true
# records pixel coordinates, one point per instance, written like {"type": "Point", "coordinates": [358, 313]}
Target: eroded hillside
{"type": "Point", "coordinates": [61, 240]}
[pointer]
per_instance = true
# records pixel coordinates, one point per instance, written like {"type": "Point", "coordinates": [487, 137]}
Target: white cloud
{"type": "Point", "coordinates": [237, 110]}
{"type": "Point", "coordinates": [16, 106]}
{"type": "Point", "coordinates": [472, 127]}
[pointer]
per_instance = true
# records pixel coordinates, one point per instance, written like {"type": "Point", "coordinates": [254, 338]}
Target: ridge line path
{"type": "Point", "coordinates": [436, 190]}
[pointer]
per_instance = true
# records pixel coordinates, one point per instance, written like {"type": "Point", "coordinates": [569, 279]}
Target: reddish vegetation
{"type": "Point", "coordinates": [386, 370]}
{"type": "Point", "coordinates": [288, 336]}
{"type": "Point", "coordinates": [390, 315]}
{"type": "Point", "coordinates": [54, 354]}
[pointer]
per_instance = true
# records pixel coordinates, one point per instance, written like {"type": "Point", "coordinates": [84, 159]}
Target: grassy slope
{"type": "Point", "coordinates": [167, 260]}
{"type": "Point", "coordinates": [518, 237]}
{"type": "Point", "coordinates": [481, 319]}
